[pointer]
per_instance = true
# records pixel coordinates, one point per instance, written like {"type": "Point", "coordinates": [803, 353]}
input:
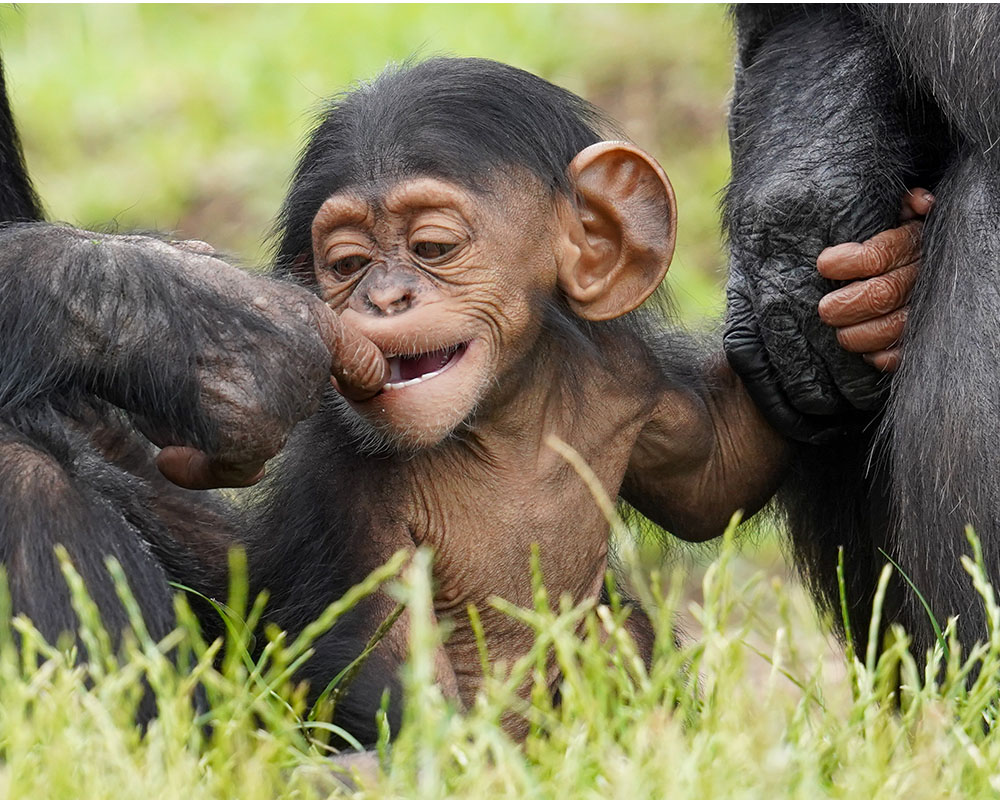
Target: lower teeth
{"type": "Point", "coordinates": [448, 356]}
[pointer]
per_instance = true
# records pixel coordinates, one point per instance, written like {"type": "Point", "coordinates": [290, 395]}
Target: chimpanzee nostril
{"type": "Point", "coordinates": [390, 299]}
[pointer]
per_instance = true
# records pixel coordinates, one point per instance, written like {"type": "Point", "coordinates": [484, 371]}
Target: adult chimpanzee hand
{"type": "Point", "coordinates": [252, 423]}
{"type": "Point", "coordinates": [215, 365]}
{"type": "Point", "coordinates": [357, 369]}
{"type": "Point", "coordinates": [870, 313]}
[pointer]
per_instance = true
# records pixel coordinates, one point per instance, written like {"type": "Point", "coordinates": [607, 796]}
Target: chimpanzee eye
{"type": "Point", "coordinates": [431, 251]}
{"type": "Point", "coordinates": [345, 267]}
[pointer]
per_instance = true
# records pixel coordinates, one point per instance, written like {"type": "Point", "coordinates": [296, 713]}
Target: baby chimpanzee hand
{"type": "Point", "coordinates": [870, 313]}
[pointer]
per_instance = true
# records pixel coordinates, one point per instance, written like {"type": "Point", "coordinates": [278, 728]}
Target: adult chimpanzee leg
{"type": "Point", "coordinates": [948, 53]}
{"type": "Point", "coordinates": [944, 434]}
{"type": "Point", "coordinates": [811, 82]}
{"type": "Point", "coordinates": [55, 489]}
{"type": "Point", "coordinates": [934, 468]}
{"type": "Point", "coordinates": [944, 418]}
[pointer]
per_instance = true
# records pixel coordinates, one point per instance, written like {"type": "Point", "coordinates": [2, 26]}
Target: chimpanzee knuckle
{"type": "Point", "coordinates": [875, 256]}
{"type": "Point", "coordinates": [292, 353]}
{"type": "Point", "coordinates": [879, 296]}
{"type": "Point", "coordinates": [774, 213]}
{"type": "Point", "coordinates": [229, 393]}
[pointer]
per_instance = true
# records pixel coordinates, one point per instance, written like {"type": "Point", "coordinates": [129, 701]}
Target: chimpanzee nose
{"type": "Point", "coordinates": [391, 299]}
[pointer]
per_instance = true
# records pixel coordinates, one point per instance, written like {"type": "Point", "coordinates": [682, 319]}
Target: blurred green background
{"type": "Point", "coordinates": [189, 118]}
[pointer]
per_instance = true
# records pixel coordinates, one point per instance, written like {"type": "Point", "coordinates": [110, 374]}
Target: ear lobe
{"type": "Point", "coordinates": [624, 228]}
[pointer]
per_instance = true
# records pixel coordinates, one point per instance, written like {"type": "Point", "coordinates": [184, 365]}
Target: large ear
{"type": "Point", "coordinates": [624, 227]}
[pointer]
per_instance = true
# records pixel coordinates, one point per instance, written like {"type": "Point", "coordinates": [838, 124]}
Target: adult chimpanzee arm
{"type": "Point", "coordinates": [819, 156]}
{"type": "Point", "coordinates": [948, 51]}
{"type": "Point", "coordinates": [208, 356]}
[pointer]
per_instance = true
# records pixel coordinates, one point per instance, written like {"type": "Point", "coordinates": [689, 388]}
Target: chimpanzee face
{"type": "Point", "coordinates": [452, 283]}
{"type": "Point", "coordinates": [448, 283]}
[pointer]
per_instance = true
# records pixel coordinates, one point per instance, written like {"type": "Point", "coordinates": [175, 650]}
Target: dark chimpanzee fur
{"type": "Point", "coordinates": [18, 200]}
{"type": "Point", "coordinates": [836, 110]}
{"type": "Point", "coordinates": [399, 131]}
{"type": "Point", "coordinates": [105, 336]}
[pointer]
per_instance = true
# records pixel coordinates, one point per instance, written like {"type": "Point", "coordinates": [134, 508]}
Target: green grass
{"type": "Point", "coordinates": [742, 708]}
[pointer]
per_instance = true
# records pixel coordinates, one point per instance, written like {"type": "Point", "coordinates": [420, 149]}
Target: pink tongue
{"type": "Point", "coordinates": [414, 367]}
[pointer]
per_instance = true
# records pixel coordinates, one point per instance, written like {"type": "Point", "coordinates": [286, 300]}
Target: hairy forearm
{"type": "Point", "coordinates": [76, 319]}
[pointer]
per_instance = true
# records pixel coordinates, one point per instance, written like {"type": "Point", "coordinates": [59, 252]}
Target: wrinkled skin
{"type": "Point", "coordinates": [808, 172]}
{"type": "Point", "coordinates": [869, 313]}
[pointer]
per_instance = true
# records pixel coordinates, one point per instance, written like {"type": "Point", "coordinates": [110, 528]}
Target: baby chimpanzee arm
{"type": "Point", "coordinates": [707, 452]}
{"type": "Point", "coordinates": [703, 456]}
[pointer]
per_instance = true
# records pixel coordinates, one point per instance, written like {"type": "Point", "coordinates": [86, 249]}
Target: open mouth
{"type": "Point", "coordinates": [409, 370]}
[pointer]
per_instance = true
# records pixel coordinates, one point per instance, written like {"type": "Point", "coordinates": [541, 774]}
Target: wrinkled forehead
{"type": "Point", "coordinates": [498, 194]}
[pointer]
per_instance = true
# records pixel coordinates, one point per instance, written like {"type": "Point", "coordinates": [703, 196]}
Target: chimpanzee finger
{"type": "Point", "coordinates": [865, 300]}
{"type": "Point", "coordinates": [886, 251]}
{"type": "Point", "coordinates": [916, 203]}
{"type": "Point", "coordinates": [885, 360]}
{"type": "Point", "coordinates": [359, 370]}
{"type": "Point", "coordinates": [190, 468]}
{"type": "Point", "coordinates": [873, 335]}
{"type": "Point", "coordinates": [748, 358]}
